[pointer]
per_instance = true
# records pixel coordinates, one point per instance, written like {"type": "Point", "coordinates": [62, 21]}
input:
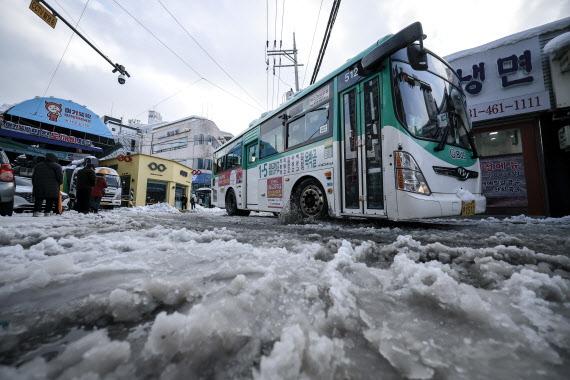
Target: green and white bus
{"type": "Point", "coordinates": [387, 135]}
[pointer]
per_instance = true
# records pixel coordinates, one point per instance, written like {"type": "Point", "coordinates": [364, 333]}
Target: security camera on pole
{"type": "Point", "coordinates": [51, 19]}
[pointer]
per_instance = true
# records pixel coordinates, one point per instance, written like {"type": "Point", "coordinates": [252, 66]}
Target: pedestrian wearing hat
{"type": "Point", "coordinates": [46, 180]}
{"type": "Point", "coordinates": [86, 179]}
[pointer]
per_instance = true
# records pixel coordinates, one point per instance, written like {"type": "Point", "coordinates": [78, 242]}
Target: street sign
{"type": "Point", "coordinates": [43, 13]}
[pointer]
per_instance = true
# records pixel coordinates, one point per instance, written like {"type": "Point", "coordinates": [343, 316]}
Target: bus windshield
{"type": "Point", "coordinates": [429, 103]}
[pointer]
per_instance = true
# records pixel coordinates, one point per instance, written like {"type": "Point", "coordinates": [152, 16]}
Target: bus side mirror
{"type": "Point", "coordinates": [417, 57]}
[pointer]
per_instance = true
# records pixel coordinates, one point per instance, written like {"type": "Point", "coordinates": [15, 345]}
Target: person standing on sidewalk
{"type": "Point", "coordinates": [98, 191]}
{"type": "Point", "coordinates": [86, 179]}
{"type": "Point", "coordinates": [184, 201]}
{"type": "Point", "coordinates": [46, 180]}
{"type": "Point", "coordinates": [193, 201]}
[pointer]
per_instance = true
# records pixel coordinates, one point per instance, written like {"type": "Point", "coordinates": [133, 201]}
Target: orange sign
{"type": "Point", "coordinates": [43, 13]}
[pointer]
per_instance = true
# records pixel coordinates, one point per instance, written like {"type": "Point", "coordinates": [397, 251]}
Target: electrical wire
{"type": "Point", "coordinates": [312, 42]}
{"type": "Point", "coordinates": [209, 56]}
{"type": "Point", "coordinates": [332, 18]}
{"type": "Point", "coordinates": [170, 97]}
{"type": "Point", "coordinates": [180, 58]}
{"type": "Point", "coordinates": [280, 46]}
{"type": "Point", "coordinates": [63, 55]}
{"type": "Point", "coordinates": [78, 27]}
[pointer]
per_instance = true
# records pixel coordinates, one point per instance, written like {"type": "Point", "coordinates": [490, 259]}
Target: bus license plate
{"type": "Point", "coordinates": [467, 208]}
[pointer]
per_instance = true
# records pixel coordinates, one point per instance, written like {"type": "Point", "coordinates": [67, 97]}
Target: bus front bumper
{"type": "Point", "coordinates": [412, 205]}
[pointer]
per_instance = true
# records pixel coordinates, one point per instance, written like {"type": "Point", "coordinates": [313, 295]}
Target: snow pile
{"type": "Point", "coordinates": [465, 195]}
{"type": "Point", "coordinates": [557, 44]}
{"type": "Point", "coordinates": [155, 208]}
{"type": "Point", "coordinates": [125, 297]}
{"type": "Point", "coordinates": [213, 210]}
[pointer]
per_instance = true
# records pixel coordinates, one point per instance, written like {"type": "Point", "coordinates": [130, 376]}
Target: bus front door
{"type": "Point", "coordinates": [362, 186]}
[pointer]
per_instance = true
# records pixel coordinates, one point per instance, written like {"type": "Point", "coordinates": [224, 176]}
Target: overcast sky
{"type": "Point", "coordinates": [234, 34]}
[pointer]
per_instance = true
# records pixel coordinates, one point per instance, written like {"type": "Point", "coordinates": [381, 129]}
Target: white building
{"type": "Point", "coordinates": [190, 141]}
{"type": "Point", "coordinates": [127, 138]}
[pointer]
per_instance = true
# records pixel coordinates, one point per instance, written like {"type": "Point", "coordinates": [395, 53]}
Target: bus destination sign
{"type": "Point", "coordinates": [43, 13]}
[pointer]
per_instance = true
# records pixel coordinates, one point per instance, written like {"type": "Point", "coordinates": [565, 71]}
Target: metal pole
{"type": "Point", "coordinates": [296, 68]}
{"type": "Point", "coordinates": [116, 66]}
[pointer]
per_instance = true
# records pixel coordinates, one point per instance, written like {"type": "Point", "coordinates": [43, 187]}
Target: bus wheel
{"type": "Point", "coordinates": [310, 200]}
{"type": "Point", "coordinates": [231, 204]}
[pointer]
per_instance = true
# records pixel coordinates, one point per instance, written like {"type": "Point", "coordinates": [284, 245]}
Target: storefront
{"type": "Point", "coordinates": [509, 91]}
{"type": "Point", "coordinates": [147, 180]}
{"type": "Point", "coordinates": [41, 125]}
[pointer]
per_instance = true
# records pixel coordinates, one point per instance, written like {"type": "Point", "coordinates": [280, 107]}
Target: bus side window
{"type": "Point", "coordinates": [271, 140]}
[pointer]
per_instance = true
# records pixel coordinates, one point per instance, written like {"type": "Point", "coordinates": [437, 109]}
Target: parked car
{"type": "Point", "coordinates": [7, 185]}
{"type": "Point", "coordinates": [24, 198]}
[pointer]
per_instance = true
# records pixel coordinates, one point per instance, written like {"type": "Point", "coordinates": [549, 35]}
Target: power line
{"type": "Point", "coordinates": [311, 50]}
{"type": "Point", "coordinates": [158, 39]}
{"type": "Point", "coordinates": [180, 58]}
{"type": "Point", "coordinates": [332, 18]}
{"type": "Point", "coordinates": [171, 96]}
{"type": "Point", "coordinates": [209, 56]}
{"type": "Point", "coordinates": [78, 27]}
{"type": "Point", "coordinates": [61, 59]}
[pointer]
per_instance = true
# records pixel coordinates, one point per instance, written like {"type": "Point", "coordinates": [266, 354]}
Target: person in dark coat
{"type": "Point", "coordinates": [184, 201]}
{"type": "Point", "coordinates": [98, 191]}
{"type": "Point", "coordinates": [86, 179]}
{"type": "Point", "coordinates": [193, 202]}
{"type": "Point", "coordinates": [46, 180]}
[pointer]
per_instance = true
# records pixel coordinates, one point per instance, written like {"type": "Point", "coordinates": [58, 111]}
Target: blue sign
{"type": "Point", "coordinates": [62, 113]}
{"type": "Point", "coordinates": [201, 178]}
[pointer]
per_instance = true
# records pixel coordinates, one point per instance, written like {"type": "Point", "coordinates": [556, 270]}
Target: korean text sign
{"type": "Point", "coordinates": [503, 81]}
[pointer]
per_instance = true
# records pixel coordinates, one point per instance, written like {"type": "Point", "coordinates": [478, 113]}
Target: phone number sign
{"type": "Point", "coordinates": [512, 106]}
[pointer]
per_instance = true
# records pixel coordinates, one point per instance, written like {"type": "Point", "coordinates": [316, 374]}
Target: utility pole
{"type": "Point", "coordinates": [291, 54]}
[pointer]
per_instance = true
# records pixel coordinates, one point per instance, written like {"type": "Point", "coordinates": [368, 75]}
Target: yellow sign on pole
{"type": "Point", "coordinates": [43, 13]}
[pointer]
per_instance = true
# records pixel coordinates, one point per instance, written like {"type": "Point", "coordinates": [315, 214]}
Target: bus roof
{"type": "Point", "coordinates": [307, 90]}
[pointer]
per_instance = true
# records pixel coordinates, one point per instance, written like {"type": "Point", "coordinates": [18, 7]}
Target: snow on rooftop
{"type": "Point", "coordinates": [509, 40]}
{"type": "Point", "coordinates": [557, 44]}
{"type": "Point", "coordinates": [166, 123]}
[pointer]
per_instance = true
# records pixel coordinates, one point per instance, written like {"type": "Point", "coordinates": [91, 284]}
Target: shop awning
{"type": "Point", "coordinates": [21, 148]}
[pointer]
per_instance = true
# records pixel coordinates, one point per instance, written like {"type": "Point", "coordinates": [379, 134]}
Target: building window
{"type": "Point", "coordinates": [202, 139]}
{"type": "Point", "coordinates": [202, 164]}
{"type": "Point", "coordinates": [170, 145]}
{"type": "Point", "coordinates": [155, 192]}
{"type": "Point", "coordinates": [133, 145]}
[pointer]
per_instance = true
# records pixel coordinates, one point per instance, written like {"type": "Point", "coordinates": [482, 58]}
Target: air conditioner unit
{"type": "Point", "coordinates": [564, 137]}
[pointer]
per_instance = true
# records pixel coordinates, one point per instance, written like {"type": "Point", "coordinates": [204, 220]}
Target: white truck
{"type": "Point", "coordinates": [111, 195]}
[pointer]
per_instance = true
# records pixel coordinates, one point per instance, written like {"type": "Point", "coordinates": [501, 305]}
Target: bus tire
{"type": "Point", "coordinates": [309, 200]}
{"type": "Point", "coordinates": [231, 203]}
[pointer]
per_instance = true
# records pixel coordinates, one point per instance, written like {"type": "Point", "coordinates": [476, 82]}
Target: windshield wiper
{"type": "Point", "coordinates": [471, 140]}
{"type": "Point", "coordinates": [442, 142]}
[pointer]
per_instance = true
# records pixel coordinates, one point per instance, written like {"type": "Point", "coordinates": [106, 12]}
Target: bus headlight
{"type": "Point", "coordinates": [409, 177]}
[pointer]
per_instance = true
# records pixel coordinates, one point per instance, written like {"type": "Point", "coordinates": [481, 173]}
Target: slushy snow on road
{"type": "Point", "coordinates": [150, 292]}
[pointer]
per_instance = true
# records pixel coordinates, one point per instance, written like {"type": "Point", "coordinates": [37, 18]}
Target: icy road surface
{"type": "Point", "coordinates": [154, 293]}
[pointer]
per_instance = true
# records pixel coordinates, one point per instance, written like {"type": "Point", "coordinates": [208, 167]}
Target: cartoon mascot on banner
{"type": "Point", "coordinates": [54, 110]}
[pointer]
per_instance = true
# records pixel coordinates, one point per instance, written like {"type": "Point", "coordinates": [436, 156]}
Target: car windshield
{"type": "Point", "coordinates": [429, 103]}
{"type": "Point", "coordinates": [112, 180]}
{"type": "Point", "coordinates": [21, 181]}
